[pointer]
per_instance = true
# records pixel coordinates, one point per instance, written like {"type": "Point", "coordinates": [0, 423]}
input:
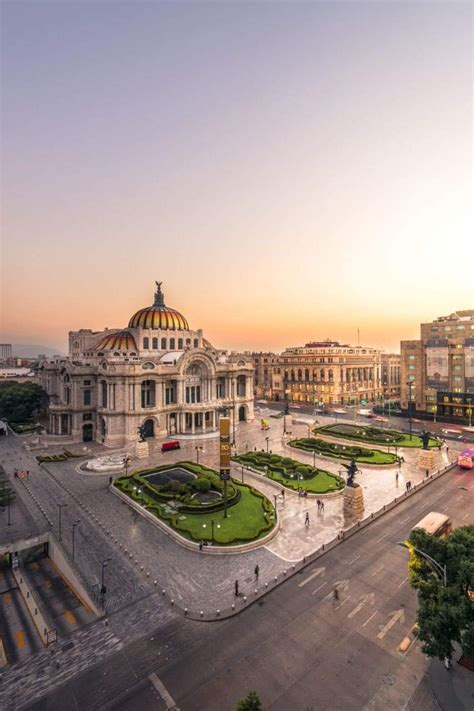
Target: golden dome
{"type": "Point", "coordinates": [159, 316]}
{"type": "Point", "coordinates": [118, 341]}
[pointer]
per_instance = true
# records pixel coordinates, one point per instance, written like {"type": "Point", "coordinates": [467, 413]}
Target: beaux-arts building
{"type": "Point", "coordinates": [156, 373]}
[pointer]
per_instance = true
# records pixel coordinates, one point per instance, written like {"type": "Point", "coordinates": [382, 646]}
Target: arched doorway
{"type": "Point", "coordinates": [87, 432]}
{"type": "Point", "coordinates": [149, 427]}
{"type": "Point", "coordinates": [242, 413]}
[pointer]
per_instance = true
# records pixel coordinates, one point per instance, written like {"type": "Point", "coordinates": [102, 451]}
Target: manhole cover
{"type": "Point", "coordinates": [387, 679]}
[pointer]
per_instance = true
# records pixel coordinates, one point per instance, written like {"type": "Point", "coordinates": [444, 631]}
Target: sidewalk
{"type": "Point", "coordinates": [453, 688]}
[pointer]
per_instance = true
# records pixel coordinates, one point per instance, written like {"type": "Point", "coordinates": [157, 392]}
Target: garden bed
{"type": "Point", "coordinates": [51, 458]}
{"type": "Point", "coordinates": [349, 452]}
{"type": "Point", "coordinates": [291, 473]}
{"type": "Point", "coordinates": [250, 515]}
{"type": "Point", "coordinates": [375, 435]}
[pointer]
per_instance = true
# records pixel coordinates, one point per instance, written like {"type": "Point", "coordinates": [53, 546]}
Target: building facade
{"type": "Point", "coordinates": [263, 364]}
{"type": "Point", "coordinates": [437, 371]}
{"type": "Point", "coordinates": [328, 373]}
{"type": "Point", "coordinates": [157, 373]}
{"type": "Point", "coordinates": [5, 351]}
{"type": "Point", "coordinates": [391, 376]}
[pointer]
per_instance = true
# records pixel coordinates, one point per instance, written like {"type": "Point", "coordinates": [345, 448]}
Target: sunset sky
{"type": "Point", "coordinates": [290, 171]}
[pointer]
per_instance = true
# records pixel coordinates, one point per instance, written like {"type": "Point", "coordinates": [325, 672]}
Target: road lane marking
{"type": "Point", "coordinates": [354, 559]}
{"type": "Point", "coordinates": [318, 571]}
{"type": "Point", "coordinates": [404, 520]}
{"type": "Point", "coordinates": [465, 517]}
{"type": "Point", "coordinates": [394, 617]}
{"type": "Point", "coordinates": [343, 602]}
{"type": "Point", "coordinates": [368, 620]}
{"type": "Point", "coordinates": [163, 692]}
{"type": "Point", "coordinates": [378, 570]}
{"type": "Point", "coordinates": [402, 583]}
{"type": "Point", "coordinates": [367, 599]}
{"type": "Point", "coordinates": [382, 537]}
{"type": "Point", "coordinates": [321, 586]}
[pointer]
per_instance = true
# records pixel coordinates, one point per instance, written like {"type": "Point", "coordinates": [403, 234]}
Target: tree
{"type": "Point", "coordinates": [250, 703]}
{"type": "Point", "coordinates": [21, 402]}
{"type": "Point", "coordinates": [445, 614]}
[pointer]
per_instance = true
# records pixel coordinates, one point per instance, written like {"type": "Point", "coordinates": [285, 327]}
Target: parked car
{"type": "Point", "coordinates": [340, 411]}
{"type": "Point", "coordinates": [172, 444]}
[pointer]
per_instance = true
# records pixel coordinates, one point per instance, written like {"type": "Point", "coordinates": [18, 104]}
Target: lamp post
{"type": "Point", "coordinates": [76, 523]}
{"type": "Point", "coordinates": [435, 409]}
{"type": "Point", "coordinates": [410, 384]}
{"type": "Point", "coordinates": [233, 411]}
{"type": "Point", "coordinates": [314, 458]}
{"type": "Point", "coordinates": [213, 524]}
{"type": "Point", "coordinates": [126, 464]}
{"type": "Point", "coordinates": [438, 567]}
{"type": "Point", "coordinates": [103, 589]}
{"type": "Point", "coordinates": [8, 506]}
{"type": "Point", "coordinates": [60, 508]}
{"type": "Point", "coordinates": [267, 439]}
{"type": "Point", "coordinates": [198, 449]}
{"type": "Point", "coordinates": [242, 473]}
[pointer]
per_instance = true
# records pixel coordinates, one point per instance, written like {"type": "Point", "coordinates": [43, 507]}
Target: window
{"type": "Point", "coordinates": [456, 367]}
{"type": "Point", "coordinates": [163, 344]}
{"type": "Point", "coordinates": [146, 343]}
{"type": "Point", "coordinates": [103, 387]}
{"type": "Point", "coordinates": [87, 382]}
{"type": "Point", "coordinates": [154, 344]}
{"type": "Point", "coordinates": [172, 342]}
{"type": "Point", "coordinates": [180, 344]}
{"type": "Point", "coordinates": [457, 378]}
{"type": "Point", "coordinates": [196, 343]}
{"type": "Point", "coordinates": [87, 397]}
{"type": "Point", "coordinates": [411, 377]}
{"type": "Point", "coordinates": [411, 357]}
{"type": "Point", "coordinates": [188, 341]}
{"type": "Point", "coordinates": [148, 393]}
{"type": "Point", "coordinates": [411, 367]}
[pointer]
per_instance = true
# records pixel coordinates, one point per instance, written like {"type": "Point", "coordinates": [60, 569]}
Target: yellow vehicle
{"type": "Point", "coordinates": [436, 524]}
{"type": "Point", "coordinates": [264, 424]}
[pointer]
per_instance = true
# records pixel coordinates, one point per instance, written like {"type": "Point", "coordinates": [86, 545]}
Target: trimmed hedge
{"type": "Point", "coordinates": [341, 451]}
{"type": "Point", "coordinates": [291, 473]}
{"type": "Point", "coordinates": [375, 435]}
{"type": "Point", "coordinates": [57, 457]}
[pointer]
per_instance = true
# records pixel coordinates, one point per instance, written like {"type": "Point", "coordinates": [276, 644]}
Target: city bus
{"type": "Point", "coordinates": [466, 459]}
{"type": "Point", "coordinates": [436, 524]}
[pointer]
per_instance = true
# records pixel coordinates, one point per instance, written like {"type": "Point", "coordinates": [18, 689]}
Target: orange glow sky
{"type": "Point", "coordinates": [292, 172]}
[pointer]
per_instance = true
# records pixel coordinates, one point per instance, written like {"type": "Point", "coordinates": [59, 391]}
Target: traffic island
{"type": "Point", "coordinates": [377, 435]}
{"type": "Point", "coordinates": [362, 455]}
{"type": "Point", "coordinates": [192, 501]}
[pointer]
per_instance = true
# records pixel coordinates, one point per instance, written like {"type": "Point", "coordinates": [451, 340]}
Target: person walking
{"type": "Point", "coordinates": [306, 520]}
{"type": "Point", "coordinates": [322, 505]}
{"type": "Point", "coordinates": [257, 571]}
{"type": "Point", "coordinates": [396, 478]}
{"type": "Point", "coordinates": [236, 588]}
{"type": "Point", "coordinates": [283, 494]}
{"type": "Point", "coordinates": [335, 596]}
{"type": "Point", "coordinates": [319, 504]}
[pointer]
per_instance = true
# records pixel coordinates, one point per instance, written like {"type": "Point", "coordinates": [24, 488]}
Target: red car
{"type": "Point", "coordinates": [172, 444]}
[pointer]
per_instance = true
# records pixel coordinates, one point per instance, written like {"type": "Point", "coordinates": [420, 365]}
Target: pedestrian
{"type": "Point", "coordinates": [27, 473]}
{"type": "Point", "coordinates": [283, 494]}
{"type": "Point", "coordinates": [322, 505]}
{"type": "Point", "coordinates": [305, 493]}
{"type": "Point", "coordinates": [257, 571]}
{"type": "Point", "coordinates": [447, 449]}
{"type": "Point", "coordinates": [407, 485]}
{"type": "Point", "coordinates": [335, 595]}
{"type": "Point", "coordinates": [306, 520]}
{"type": "Point", "coordinates": [236, 587]}
{"type": "Point", "coordinates": [111, 480]}
{"type": "Point", "coordinates": [396, 478]}
{"type": "Point", "coordinates": [319, 503]}
{"type": "Point", "coordinates": [200, 545]}
{"type": "Point", "coordinates": [402, 460]}
{"type": "Point", "coordinates": [427, 473]}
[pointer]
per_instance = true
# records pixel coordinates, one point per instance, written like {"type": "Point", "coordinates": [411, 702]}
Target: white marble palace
{"type": "Point", "coordinates": [157, 374]}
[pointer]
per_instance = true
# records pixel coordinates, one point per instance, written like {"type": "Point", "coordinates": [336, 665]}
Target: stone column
{"type": "Point", "coordinates": [193, 424]}
{"type": "Point", "coordinates": [213, 420]}
{"type": "Point", "coordinates": [204, 423]}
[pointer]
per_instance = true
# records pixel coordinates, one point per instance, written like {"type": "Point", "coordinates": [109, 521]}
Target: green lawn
{"type": "Point", "coordinates": [363, 455]}
{"type": "Point", "coordinates": [291, 473]}
{"type": "Point", "coordinates": [375, 435]}
{"type": "Point", "coordinates": [249, 519]}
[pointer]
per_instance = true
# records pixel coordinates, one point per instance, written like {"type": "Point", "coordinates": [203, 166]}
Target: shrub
{"type": "Point", "coordinates": [201, 484]}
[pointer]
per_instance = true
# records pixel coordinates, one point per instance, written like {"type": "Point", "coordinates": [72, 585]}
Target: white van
{"type": "Point", "coordinates": [364, 413]}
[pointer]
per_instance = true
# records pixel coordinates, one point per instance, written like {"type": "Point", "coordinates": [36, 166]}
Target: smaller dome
{"type": "Point", "coordinates": [118, 341]}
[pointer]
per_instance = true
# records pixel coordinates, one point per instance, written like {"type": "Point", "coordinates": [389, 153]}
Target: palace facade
{"type": "Point", "coordinates": [157, 373]}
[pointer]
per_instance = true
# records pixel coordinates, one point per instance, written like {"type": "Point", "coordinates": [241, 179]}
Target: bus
{"type": "Point", "coordinates": [436, 524]}
{"type": "Point", "coordinates": [466, 459]}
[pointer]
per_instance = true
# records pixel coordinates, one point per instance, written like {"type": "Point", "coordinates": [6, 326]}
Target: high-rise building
{"type": "Point", "coordinates": [437, 371]}
{"type": "Point", "coordinates": [5, 351]}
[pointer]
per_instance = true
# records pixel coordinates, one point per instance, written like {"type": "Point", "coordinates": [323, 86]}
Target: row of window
{"type": "Point", "coordinates": [172, 343]}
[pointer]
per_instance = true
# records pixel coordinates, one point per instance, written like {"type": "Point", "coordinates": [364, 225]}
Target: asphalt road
{"type": "Point", "coordinates": [298, 648]}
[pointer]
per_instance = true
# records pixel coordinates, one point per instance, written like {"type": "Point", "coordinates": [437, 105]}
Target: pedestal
{"type": "Point", "coordinates": [354, 500]}
{"type": "Point", "coordinates": [142, 450]}
{"type": "Point", "coordinates": [426, 459]}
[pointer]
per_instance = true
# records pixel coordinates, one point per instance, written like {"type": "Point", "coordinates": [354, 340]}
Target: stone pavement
{"type": "Point", "coordinates": [453, 688]}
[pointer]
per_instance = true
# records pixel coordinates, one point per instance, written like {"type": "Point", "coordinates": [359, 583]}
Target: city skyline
{"type": "Point", "coordinates": [291, 173]}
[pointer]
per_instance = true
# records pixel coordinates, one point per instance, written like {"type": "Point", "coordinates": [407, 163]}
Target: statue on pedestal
{"type": "Point", "coordinates": [141, 433]}
{"type": "Point", "coordinates": [425, 438]}
{"type": "Point", "coordinates": [351, 472]}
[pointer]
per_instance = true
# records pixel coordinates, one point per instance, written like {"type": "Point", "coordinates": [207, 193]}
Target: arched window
{"type": "Point", "coordinates": [196, 343]}
{"type": "Point", "coordinates": [300, 375]}
{"type": "Point", "coordinates": [146, 343]}
{"type": "Point", "coordinates": [331, 375]}
{"type": "Point", "coordinates": [241, 386]}
{"type": "Point", "coordinates": [292, 376]}
{"type": "Point", "coordinates": [180, 344]}
{"type": "Point", "coordinates": [306, 374]}
{"type": "Point", "coordinates": [188, 341]}
{"type": "Point", "coordinates": [322, 374]}
{"type": "Point", "coordinates": [103, 387]}
{"type": "Point", "coordinates": [163, 344]}
{"type": "Point", "coordinates": [154, 344]}
{"type": "Point", "coordinates": [148, 393]}
{"type": "Point", "coordinates": [172, 341]}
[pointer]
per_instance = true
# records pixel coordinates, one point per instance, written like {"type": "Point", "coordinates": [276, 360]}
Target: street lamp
{"type": "Point", "coordinates": [213, 524]}
{"type": "Point", "coordinates": [267, 439]}
{"type": "Point", "coordinates": [242, 473]}
{"type": "Point", "coordinates": [103, 589]}
{"type": "Point", "coordinates": [314, 458]}
{"type": "Point", "coordinates": [76, 523]}
{"type": "Point", "coordinates": [233, 411]}
{"type": "Point", "coordinates": [198, 449]}
{"type": "Point", "coordinates": [410, 384]}
{"type": "Point", "coordinates": [126, 464]}
{"type": "Point", "coordinates": [60, 508]}
{"type": "Point", "coordinates": [438, 567]}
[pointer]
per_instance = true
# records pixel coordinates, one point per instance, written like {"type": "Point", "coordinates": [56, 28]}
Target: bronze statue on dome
{"type": "Point", "coordinates": [159, 296]}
